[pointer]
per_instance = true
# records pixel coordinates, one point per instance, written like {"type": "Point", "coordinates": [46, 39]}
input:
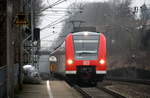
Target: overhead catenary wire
{"type": "Point", "coordinates": [53, 23]}
{"type": "Point", "coordinates": [81, 3]}
{"type": "Point", "coordinates": [62, 19]}
{"type": "Point", "coordinates": [48, 2]}
{"type": "Point", "coordinates": [48, 36]}
{"type": "Point", "coordinates": [57, 21]}
{"type": "Point", "coordinates": [54, 4]}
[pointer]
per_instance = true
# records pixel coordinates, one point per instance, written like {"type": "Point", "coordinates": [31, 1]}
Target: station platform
{"type": "Point", "coordinates": [33, 91]}
{"type": "Point", "coordinates": [48, 89]}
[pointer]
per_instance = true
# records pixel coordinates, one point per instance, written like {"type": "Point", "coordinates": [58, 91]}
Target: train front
{"type": "Point", "coordinates": [86, 56]}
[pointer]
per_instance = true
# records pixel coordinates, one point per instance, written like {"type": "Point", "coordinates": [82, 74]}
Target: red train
{"type": "Point", "coordinates": [85, 56]}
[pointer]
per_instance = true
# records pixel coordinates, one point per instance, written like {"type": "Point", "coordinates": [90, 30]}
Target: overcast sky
{"type": "Point", "coordinates": [49, 34]}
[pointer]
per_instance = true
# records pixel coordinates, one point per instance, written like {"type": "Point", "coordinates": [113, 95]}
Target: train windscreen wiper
{"type": "Point", "coordinates": [86, 52]}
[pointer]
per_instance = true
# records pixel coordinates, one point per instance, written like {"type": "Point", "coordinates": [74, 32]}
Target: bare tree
{"type": "Point", "coordinates": [115, 18]}
{"type": "Point", "coordinates": [144, 24]}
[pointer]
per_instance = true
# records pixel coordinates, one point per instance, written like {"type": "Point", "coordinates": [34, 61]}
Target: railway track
{"type": "Point", "coordinates": [101, 92]}
{"type": "Point", "coordinates": [94, 92]}
{"type": "Point", "coordinates": [139, 81]}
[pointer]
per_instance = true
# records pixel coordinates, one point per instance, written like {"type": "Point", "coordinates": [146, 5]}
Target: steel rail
{"type": "Point", "coordinates": [107, 91]}
{"type": "Point", "coordinates": [82, 92]}
{"type": "Point", "coordinates": [139, 81]}
{"type": "Point", "coordinates": [116, 95]}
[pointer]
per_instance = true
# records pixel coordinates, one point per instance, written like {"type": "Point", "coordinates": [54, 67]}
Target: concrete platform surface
{"type": "Point", "coordinates": [33, 91]}
{"type": "Point", "coordinates": [60, 89]}
{"type": "Point", "coordinates": [48, 89]}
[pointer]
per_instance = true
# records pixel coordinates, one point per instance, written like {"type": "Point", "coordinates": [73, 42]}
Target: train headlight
{"type": "Point", "coordinates": [70, 61]}
{"type": "Point", "coordinates": [102, 61]}
{"type": "Point", "coordinates": [86, 34]}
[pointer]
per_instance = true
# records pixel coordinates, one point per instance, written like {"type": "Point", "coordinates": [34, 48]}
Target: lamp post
{"type": "Point", "coordinates": [32, 33]}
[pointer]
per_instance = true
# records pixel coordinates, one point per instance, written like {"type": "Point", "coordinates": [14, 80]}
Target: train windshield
{"type": "Point", "coordinates": [86, 47]}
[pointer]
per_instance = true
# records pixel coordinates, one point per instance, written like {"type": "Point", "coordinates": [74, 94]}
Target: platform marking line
{"type": "Point", "coordinates": [49, 89]}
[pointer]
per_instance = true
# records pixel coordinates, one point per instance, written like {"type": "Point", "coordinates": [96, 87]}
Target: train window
{"type": "Point", "coordinates": [89, 37]}
{"type": "Point", "coordinates": [86, 47]}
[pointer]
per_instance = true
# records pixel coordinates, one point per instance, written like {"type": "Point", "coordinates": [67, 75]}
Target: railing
{"type": "Point", "coordinates": [3, 77]}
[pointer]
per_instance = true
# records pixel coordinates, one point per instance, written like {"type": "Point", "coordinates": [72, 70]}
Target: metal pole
{"type": "Point", "coordinates": [32, 34]}
{"type": "Point", "coordinates": [8, 50]}
{"type": "Point", "coordinates": [26, 39]}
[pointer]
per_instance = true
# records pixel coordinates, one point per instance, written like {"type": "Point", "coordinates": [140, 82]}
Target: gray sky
{"type": "Point", "coordinates": [48, 35]}
{"type": "Point", "coordinates": [140, 2]}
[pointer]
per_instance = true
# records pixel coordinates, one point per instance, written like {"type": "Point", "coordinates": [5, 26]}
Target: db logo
{"type": "Point", "coordinates": [86, 62]}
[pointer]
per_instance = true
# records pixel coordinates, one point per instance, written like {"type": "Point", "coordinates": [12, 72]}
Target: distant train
{"type": "Point", "coordinates": [82, 57]}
